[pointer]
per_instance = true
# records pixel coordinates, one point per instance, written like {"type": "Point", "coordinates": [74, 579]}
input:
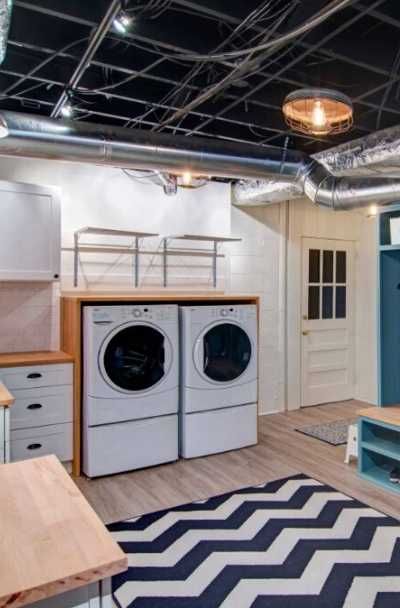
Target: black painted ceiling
{"type": "Point", "coordinates": [356, 51]}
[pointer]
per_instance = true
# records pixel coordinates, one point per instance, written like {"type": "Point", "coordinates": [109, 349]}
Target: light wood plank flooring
{"type": "Point", "coordinates": [280, 452]}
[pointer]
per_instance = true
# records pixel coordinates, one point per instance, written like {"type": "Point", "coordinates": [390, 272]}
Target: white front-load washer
{"type": "Point", "coordinates": [219, 378]}
{"type": "Point", "coordinates": [130, 387]}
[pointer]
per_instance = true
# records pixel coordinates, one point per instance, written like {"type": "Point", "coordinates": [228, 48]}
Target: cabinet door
{"type": "Point", "coordinates": [29, 233]}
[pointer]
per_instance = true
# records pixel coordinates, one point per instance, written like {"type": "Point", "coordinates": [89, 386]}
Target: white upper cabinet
{"type": "Point", "coordinates": [30, 233]}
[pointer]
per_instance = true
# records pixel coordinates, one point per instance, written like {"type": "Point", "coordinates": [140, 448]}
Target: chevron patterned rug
{"type": "Point", "coordinates": [291, 543]}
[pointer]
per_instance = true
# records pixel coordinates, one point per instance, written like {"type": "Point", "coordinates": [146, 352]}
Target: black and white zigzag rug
{"type": "Point", "coordinates": [292, 543]}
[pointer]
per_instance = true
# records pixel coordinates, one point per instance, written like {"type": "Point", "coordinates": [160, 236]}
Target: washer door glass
{"type": "Point", "coordinates": [227, 352]}
{"type": "Point", "coordinates": [134, 358]}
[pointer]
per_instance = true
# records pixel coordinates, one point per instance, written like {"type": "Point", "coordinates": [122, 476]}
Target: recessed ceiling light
{"type": "Point", "coordinates": [318, 111]}
{"type": "Point", "coordinates": [122, 22]}
{"type": "Point", "coordinates": [187, 178]}
{"type": "Point", "coordinates": [66, 110]}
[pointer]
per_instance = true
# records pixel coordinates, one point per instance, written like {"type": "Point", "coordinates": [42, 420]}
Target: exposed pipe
{"type": "Point", "coordinates": [94, 43]}
{"type": "Point", "coordinates": [46, 138]}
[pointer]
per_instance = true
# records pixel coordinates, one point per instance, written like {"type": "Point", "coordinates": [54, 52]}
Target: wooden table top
{"type": "Point", "coordinates": [388, 414]}
{"type": "Point", "coordinates": [44, 357]}
{"type": "Point", "coordinates": [51, 540]}
{"type": "Point", "coordinates": [6, 398]}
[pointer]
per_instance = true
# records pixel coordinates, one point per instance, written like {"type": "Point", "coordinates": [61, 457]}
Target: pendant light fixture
{"type": "Point", "coordinates": [318, 111]}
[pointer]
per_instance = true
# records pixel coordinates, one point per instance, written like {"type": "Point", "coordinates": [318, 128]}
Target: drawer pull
{"type": "Point", "coordinates": [34, 446]}
{"type": "Point", "coordinates": [34, 406]}
{"type": "Point", "coordinates": [34, 376]}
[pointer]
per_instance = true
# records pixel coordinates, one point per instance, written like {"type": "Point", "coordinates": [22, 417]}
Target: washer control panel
{"type": "Point", "coordinates": [106, 315]}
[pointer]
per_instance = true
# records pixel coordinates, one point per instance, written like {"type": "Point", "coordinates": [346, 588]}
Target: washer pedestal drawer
{"type": "Point", "coordinates": [31, 443]}
{"type": "Point", "coordinates": [124, 446]}
{"type": "Point", "coordinates": [218, 430]}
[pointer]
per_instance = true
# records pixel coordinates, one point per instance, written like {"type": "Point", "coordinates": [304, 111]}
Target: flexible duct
{"type": "Point", "coordinates": [45, 138]}
{"type": "Point", "coordinates": [377, 154]}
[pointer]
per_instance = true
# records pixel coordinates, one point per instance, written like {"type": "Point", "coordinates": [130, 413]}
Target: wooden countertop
{"type": "Point", "coordinates": [6, 398]}
{"type": "Point", "coordinates": [89, 296]}
{"type": "Point", "coordinates": [388, 414]}
{"type": "Point", "coordinates": [51, 539]}
{"type": "Point", "coordinates": [44, 357]}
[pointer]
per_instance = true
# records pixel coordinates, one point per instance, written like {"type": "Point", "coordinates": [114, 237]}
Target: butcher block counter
{"type": "Point", "coordinates": [43, 357]}
{"type": "Point", "coordinates": [52, 542]}
{"type": "Point", "coordinates": [72, 304]}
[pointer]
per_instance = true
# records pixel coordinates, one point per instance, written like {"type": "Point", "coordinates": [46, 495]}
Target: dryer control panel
{"type": "Point", "coordinates": [237, 312]}
{"type": "Point", "coordinates": [240, 313]}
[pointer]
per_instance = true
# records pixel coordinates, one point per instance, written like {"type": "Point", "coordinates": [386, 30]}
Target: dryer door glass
{"type": "Point", "coordinates": [134, 358]}
{"type": "Point", "coordinates": [227, 352]}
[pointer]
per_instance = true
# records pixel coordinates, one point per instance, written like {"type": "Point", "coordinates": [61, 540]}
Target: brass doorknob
{"type": "Point", "coordinates": [305, 333]}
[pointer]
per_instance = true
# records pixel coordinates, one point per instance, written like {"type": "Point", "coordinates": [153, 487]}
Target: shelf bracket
{"type": "Point", "coordinates": [165, 262]}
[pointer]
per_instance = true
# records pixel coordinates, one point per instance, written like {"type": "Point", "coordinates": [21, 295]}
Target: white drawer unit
{"type": "Point", "coordinates": [36, 376]}
{"type": "Point", "coordinates": [40, 422]}
{"type": "Point", "coordinates": [41, 406]}
{"type": "Point", "coordinates": [41, 441]}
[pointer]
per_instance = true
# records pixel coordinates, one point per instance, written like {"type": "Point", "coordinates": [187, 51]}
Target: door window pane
{"type": "Point", "coordinates": [341, 258]}
{"type": "Point", "coordinates": [314, 266]}
{"type": "Point", "coordinates": [313, 302]}
{"type": "Point", "coordinates": [227, 352]}
{"type": "Point", "coordinates": [327, 265]}
{"type": "Point", "coordinates": [134, 358]}
{"type": "Point", "coordinates": [327, 302]}
{"type": "Point", "coordinates": [341, 297]}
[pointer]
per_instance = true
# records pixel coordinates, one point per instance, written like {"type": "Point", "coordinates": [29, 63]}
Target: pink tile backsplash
{"type": "Point", "coordinates": [29, 316]}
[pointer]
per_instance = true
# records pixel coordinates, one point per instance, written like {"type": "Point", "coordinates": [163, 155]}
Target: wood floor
{"type": "Point", "coordinates": [281, 452]}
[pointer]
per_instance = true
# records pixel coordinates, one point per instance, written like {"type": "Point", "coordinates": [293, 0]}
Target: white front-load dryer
{"type": "Point", "coordinates": [219, 378]}
{"type": "Point", "coordinates": [130, 386]}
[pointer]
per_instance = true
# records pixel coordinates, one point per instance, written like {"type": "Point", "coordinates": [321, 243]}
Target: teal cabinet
{"type": "Point", "coordinates": [388, 310]}
{"type": "Point", "coordinates": [378, 452]}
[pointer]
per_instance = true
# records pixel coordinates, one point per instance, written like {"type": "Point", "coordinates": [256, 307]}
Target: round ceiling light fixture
{"type": "Point", "coordinates": [318, 111]}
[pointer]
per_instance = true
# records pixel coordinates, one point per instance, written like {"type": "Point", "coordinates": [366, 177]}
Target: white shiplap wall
{"type": "Point", "coordinates": [256, 267]}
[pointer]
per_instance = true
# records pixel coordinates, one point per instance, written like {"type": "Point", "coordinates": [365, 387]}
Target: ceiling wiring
{"type": "Point", "coordinates": [239, 71]}
{"type": "Point", "coordinates": [317, 19]}
{"type": "Point", "coordinates": [195, 71]}
{"type": "Point", "coordinates": [186, 64]}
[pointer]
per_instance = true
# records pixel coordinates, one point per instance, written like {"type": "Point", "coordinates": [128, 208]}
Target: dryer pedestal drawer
{"type": "Point", "coordinates": [35, 376]}
{"type": "Point", "coordinates": [218, 430]}
{"type": "Point", "coordinates": [41, 407]}
{"type": "Point", "coordinates": [31, 443]}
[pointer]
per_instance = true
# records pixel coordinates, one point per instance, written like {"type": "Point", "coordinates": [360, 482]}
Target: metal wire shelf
{"type": "Point", "coordinates": [136, 251]}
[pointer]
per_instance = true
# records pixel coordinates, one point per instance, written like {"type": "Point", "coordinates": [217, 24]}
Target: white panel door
{"type": "Point", "coordinates": [327, 321]}
{"type": "Point", "coordinates": [29, 233]}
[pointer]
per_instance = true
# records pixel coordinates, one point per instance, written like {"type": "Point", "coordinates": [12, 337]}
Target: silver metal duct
{"type": "Point", "coordinates": [40, 137]}
{"type": "Point", "coordinates": [46, 138]}
{"type": "Point", "coordinates": [376, 155]}
{"type": "Point", "coordinates": [5, 20]}
{"type": "Point", "coordinates": [256, 192]}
